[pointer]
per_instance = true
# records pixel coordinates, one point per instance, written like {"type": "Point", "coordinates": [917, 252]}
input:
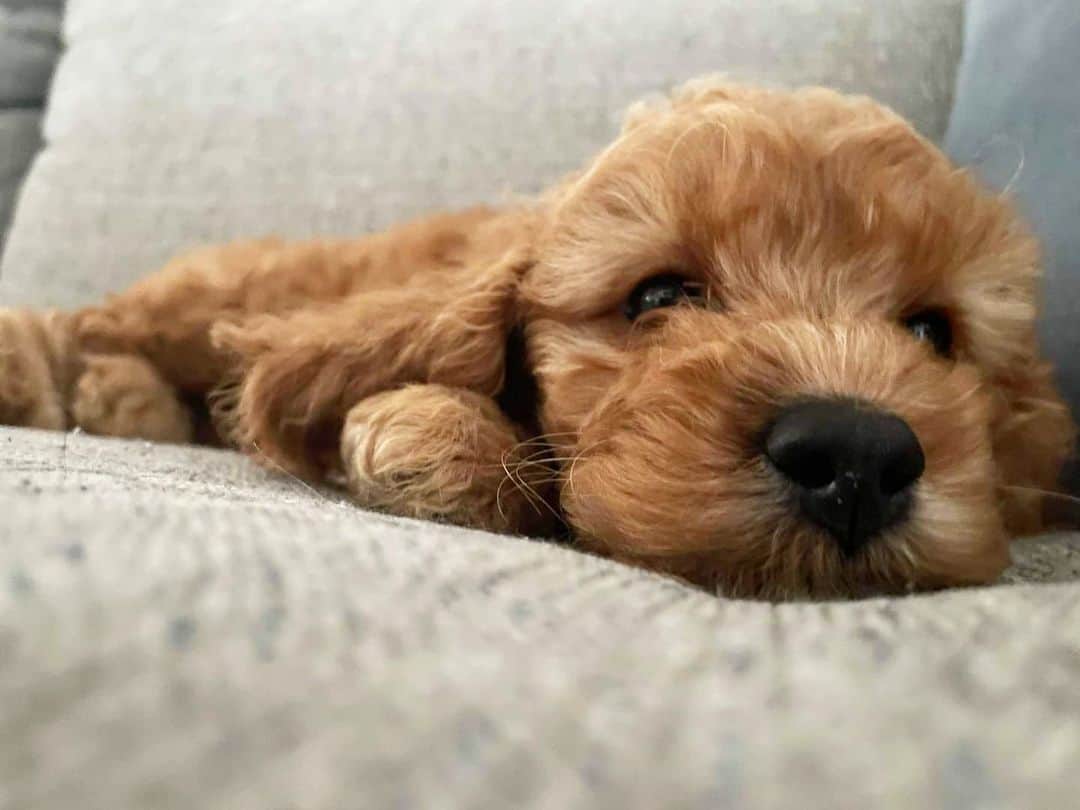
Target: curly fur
{"type": "Point", "coordinates": [814, 223]}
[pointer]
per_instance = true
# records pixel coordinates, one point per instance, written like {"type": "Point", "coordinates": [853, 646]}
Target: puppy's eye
{"type": "Point", "coordinates": [932, 326]}
{"type": "Point", "coordinates": [664, 290]}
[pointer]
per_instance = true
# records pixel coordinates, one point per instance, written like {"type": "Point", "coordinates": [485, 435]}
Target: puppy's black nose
{"type": "Point", "coordinates": [853, 467]}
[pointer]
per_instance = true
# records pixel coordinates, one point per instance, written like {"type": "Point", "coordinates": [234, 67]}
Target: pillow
{"type": "Point", "coordinates": [1017, 123]}
{"type": "Point", "coordinates": [179, 122]}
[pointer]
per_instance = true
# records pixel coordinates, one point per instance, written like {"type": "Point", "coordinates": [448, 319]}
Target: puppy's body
{"type": "Point", "coordinates": [735, 255]}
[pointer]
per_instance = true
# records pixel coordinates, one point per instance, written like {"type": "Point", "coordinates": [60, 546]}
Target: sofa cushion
{"type": "Point", "coordinates": [1017, 122]}
{"type": "Point", "coordinates": [179, 629]}
{"type": "Point", "coordinates": [174, 123]}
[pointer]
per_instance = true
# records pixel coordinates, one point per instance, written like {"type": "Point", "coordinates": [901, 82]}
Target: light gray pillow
{"type": "Point", "coordinates": [179, 122]}
{"type": "Point", "coordinates": [1017, 122]}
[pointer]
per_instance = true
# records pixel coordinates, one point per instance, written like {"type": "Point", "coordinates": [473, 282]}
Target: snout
{"type": "Point", "coordinates": [851, 467]}
{"type": "Point", "coordinates": [792, 457]}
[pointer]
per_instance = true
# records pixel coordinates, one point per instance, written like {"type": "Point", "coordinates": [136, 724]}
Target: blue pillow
{"type": "Point", "coordinates": [1016, 123]}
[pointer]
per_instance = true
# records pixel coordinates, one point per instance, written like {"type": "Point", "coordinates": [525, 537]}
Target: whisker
{"type": "Point", "coordinates": [275, 465]}
{"type": "Point", "coordinates": [1048, 493]}
{"type": "Point", "coordinates": [524, 491]}
{"type": "Point", "coordinates": [539, 453]}
{"type": "Point", "coordinates": [527, 463]}
{"type": "Point", "coordinates": [538, 440]}
{"type": "Point", "coordinates": [544, 437]}
{"type": "Point", "coordinates": [523, 486]}
{"type": "Point", "coordinates": [499, 489]}
{"type": "Point", "coordinates": [577, 458]}
{"type": "Point", "coordinates": [1069, 505]}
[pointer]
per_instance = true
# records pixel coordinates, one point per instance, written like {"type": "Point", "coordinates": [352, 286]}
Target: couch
{"type": "Point", "coordinates": [179, 628]}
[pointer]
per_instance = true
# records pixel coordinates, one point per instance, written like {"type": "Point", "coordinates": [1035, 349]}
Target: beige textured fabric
{"type": "Point", "coordinates": [175, 123]}
{"type": "Point", "coordinates": [179, 629]}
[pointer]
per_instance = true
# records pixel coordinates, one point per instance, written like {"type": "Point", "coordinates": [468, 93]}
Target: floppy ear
{"type": "Point", "coordinates": [701, 91]}
{"type": "Point", "coordinates": [297, 376]}
{"type": "Point", "coordinates": [1033, 437]}
{"type": "Point", "coordinates": [1031, 428]}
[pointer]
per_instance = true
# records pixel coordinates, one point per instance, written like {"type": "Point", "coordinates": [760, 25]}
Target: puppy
{"type": "Point", "coordinates": [768, 342]}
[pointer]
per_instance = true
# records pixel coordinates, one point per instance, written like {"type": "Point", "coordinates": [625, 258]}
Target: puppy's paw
{"type": "Point", "coordinates": [34, 369]}
{"type": "Point", "coordinates": [439, 453]}
{"type": "Point", "coordinates": [123, 395]}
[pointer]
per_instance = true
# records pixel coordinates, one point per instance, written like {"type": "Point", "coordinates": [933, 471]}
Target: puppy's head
{"type": "Point", "coordinates": [785, 348]}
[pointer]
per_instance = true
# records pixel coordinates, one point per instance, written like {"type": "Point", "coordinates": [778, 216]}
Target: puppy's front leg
{"type": "Point", "coordinates": [124, 395]}
{"type": "Point", "coordinates": [46, 382]}
{"type": "Point", "coordinates": [116, 368]}
{"type": "Point", "coordinates": [36, 369]}
{"type": "Point", "coordinates": [435, 452]}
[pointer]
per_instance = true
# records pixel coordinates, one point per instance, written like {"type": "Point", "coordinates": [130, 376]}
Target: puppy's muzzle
{"type": "Point", "coordinates": [851, 467]}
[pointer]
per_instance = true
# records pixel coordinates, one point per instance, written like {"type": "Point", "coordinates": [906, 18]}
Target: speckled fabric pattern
{"type": "Point", "coordinates": [175, 123]}
{"type": "Point", "coordinates": [179, 629]}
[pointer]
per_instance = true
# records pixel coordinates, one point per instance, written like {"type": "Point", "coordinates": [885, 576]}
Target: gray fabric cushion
{"type": "Point", "coordinates": [179, 630]}
{"type": "Point", "coordinates": [29, 46]}
{"type": "Point", "coordinates": [175, 122]}
{"type": "Point", "coordinates": [1017, 121]}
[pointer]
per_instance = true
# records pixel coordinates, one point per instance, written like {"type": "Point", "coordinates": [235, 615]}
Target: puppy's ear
{"type": "Point", "coordinates": [644, 110]}
{"type": "Point", "coordinates": [696, 92]}
{"type": "Point", "coordinates": [297, 376]}
{"type": "Point", "coordinates": [1033, 437]}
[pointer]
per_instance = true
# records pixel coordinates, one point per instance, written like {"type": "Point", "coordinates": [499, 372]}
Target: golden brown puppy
{"type": "Point", "coordinates": [770, 342]}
